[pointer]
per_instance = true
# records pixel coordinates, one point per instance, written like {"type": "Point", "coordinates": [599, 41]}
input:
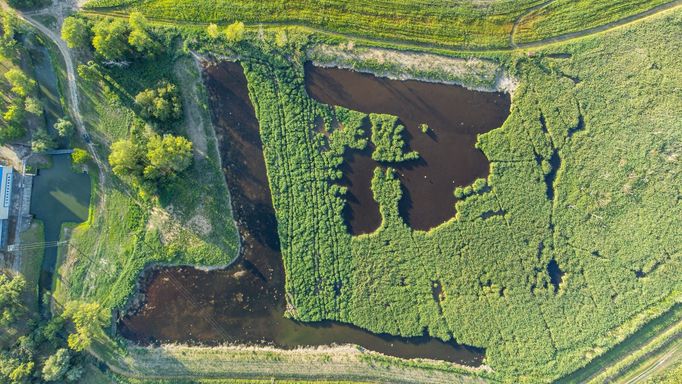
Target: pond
{"type": "Point", "coordinates": [59, 196]}
{"type": "Point", "coordinates": [245, 303]}
{"type": "Point", "coordinates": [448, 157]}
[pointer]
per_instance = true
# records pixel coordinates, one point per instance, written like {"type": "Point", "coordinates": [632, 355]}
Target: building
{"type": "Point", "coordinates": [6, 177]}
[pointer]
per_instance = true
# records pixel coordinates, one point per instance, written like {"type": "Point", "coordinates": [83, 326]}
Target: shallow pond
{"type": "Point", "coordinates": [59, 196]}
{"type": "Point", "coordinates": [448, 156]}
{"type": "Point", "coordinates": [245, 302]}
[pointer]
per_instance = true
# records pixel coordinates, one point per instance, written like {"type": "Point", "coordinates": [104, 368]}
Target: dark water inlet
{"type": "Point", "coordinates": [448, 157]}
{"type": "Point", "coordinates": [59, 196]}
{"type": "Point", "coordinates": [48, 86]}
{"type": "Point", "coordinates": [245, 303]}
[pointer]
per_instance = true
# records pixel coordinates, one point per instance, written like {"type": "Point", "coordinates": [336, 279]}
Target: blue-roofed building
{"type": "Point", "coordinates": [6, 177]}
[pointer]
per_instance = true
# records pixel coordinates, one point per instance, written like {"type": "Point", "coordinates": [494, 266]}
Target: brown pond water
{"type": "Point", "coordinates": [245, 303]}
{"type": "Point", "coordinates": [448, 157]}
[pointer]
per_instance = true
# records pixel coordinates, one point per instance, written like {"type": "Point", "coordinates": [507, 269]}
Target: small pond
{"type": "Point", "coordinates": [59, 196]}
{"type": "Point", "coordinates": [245, 302]}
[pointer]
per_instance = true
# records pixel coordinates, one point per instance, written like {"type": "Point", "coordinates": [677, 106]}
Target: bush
{"type": "Point", "coordinates": [162, 104]}
{"type": "Point", "coordinates": [63, 127]}
{"type": "Point", "coordinates": [41, 142]}
{"type": "Point", "coordinates": [167, 156]}
{"type": "Point", "coordinates": [76, 32]}
{"type": "Point", "coordinates": [387, 136]}
{"type": "Point", "coordinates": [156, 158]}
{"type": "Point", "coordinates": [111, 39]}
{"type": "Point", "coordinates": [32, 105]}
{"type": "Point", "coordinates": [11, 305]}
{"type": "Point", "coordinates": [235, 32]}
{"type": "Point", "coordinates": [140, 38]}
{"type": "Point", "coordinates": [79, 156]}
{"type": "Point", "coordinates": [21, 84]}
{"type": "Point", "coordinates": [212, 31]}
{"type": "Point", "coordinates": [56, 365]}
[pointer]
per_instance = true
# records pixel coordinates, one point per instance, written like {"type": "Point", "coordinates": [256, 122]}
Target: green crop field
{"type": "Point", "coordinates": [459, 24]}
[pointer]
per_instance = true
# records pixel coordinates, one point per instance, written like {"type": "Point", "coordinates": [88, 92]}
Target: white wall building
{"type": "Point", "coordinates": [6, 177]}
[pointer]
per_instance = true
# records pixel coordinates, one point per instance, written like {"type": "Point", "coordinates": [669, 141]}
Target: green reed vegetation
{"type": "Point", "coordinates": [462, 24]}
{"type": "Point", "coordinates": [387, 137]}
{"type": "Point", "coordinates": [582, 177]}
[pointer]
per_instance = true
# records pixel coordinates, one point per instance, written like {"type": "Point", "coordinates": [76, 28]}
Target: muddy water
{"type": "Point", "coordinates": [244, 303]}
{"type": "Point", "coordinates": [448, 158]}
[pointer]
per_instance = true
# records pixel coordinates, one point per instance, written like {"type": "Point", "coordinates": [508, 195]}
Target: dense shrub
{"type": "Point", "coordinates": [162, 103]}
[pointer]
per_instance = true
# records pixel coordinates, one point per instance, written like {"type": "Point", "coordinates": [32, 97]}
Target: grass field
{"type": "Point", "coordinates": [458, 24]}
{"type": "Point", "coordinates": [191, 223]}
{"type": "Point", "coordinates": [32, 260]}
{"type": "Point", "coordinates": [175, 363]}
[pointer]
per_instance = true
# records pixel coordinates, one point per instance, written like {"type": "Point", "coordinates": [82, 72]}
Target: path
{"type": "Point", "coordinates": [588, 31]}
{"type": "Point", "coordinates": [58, 10]}
{"type": "Point", "coordinates": [656, 367]}
{"type": "Point", "coordinates": [518, 20]}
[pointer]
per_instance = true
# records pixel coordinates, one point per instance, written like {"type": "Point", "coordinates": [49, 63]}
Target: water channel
{"type": "Point", "coordinates": [59, 196]}
{"type": "Point", "coordinates": [244, 303]}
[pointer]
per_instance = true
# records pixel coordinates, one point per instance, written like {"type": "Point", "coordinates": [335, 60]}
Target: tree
{"type": "Point", "coordinates": [9, 25]}
{"type": "Point", "coordinates": [11, 305]}
{"type": "Point", "coordinates": [76, 32]}
{"type": "Point", "coordinates": [167, 156]}
{"type": "Point", "coordinates": [63, 127]}
{"type": "Point", "coordinates": [126, 158]}
{"type": "Point", "coordinates": [21, 84]}
{"type": "Point", "coordinates": [212, 31]}
{"type": "Point", "coordinates": [13, 369]}
{"type": "Point", "coordinates": [235, 32]}
{"type": "Point", "coordinates": [139, 37]}
{"type": "Point", "coordinates": [88, 319]}
{"type": "Point", "coordinates": [79, 156]}
{"type": "Point", "coordinates": [11, 132]}
{"type": "Point", "coordinates": [25, 4]}
{"type": "Point", "coordinates": [41, 142]}
{"type": "Point", "coordinates": [89, 72]}
{"type": "Point", "coordinates": [57, 365]}
{"type": "Point", "coordinates": [51, 330]}
{"type": "Point", "coordinates": [14, 114]}
{"type": "Point", "coordinates": [162, 103]}
{"type": "Point", "coordinates": [74, 374]}
{"type": "Point", "coordinates": [111, 38]}
{"type": "Point", "coordinates": [281, 38]}
{"type": "Point", "coordinates": [33, 106]}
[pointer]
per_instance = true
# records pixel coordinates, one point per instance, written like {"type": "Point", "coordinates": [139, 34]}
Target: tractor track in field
{"type": "Point", "coordinates": [589, 31]}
